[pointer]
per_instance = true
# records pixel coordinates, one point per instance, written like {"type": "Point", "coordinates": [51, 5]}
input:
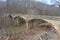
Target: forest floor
{"type": "Point", "coordinates": [36, 33]}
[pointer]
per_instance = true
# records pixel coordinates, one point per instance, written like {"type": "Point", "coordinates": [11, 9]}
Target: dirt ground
{"type": "Point", "coordinates": [36, 33]}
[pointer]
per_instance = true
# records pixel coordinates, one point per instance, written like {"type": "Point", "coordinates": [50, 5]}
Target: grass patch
{"type": "Point", "coordinates": [18, 28]}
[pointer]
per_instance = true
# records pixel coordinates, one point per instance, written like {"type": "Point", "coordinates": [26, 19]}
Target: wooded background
{"type": "Point", "coordinates": [27, 7]}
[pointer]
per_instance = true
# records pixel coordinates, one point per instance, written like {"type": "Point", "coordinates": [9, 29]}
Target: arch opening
{"type": "Point", "coordinates": [40, 24]}
{"type": "Point", "coordinates": [19, 24]}
{"type": "Point", "coordinates": [19, 21]}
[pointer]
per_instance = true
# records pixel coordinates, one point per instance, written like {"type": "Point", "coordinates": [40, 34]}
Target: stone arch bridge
{"type": "Point", "coordinates": [55, 21]}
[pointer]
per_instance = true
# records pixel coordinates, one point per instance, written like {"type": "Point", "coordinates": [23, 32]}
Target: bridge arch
{"type": "Point", "coordinates": [41, 23]}
{"type": "Point", "coordinates": [19, 20]}
{"type": "Point", "coordinates": [19, 24]}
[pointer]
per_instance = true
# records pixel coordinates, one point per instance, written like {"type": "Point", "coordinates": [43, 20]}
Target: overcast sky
{"type": "Point", "coordinates": [3, 0]}
{"type": "Point", "coordinates": [49, 2]}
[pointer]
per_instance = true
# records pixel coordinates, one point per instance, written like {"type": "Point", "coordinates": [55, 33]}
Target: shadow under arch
{"type": "Point", "coordinates": [42, 24]}
{"type": "Point", "coordinates": [19, 24]}
{"type": "Point", "coordinates": [19, 21]}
